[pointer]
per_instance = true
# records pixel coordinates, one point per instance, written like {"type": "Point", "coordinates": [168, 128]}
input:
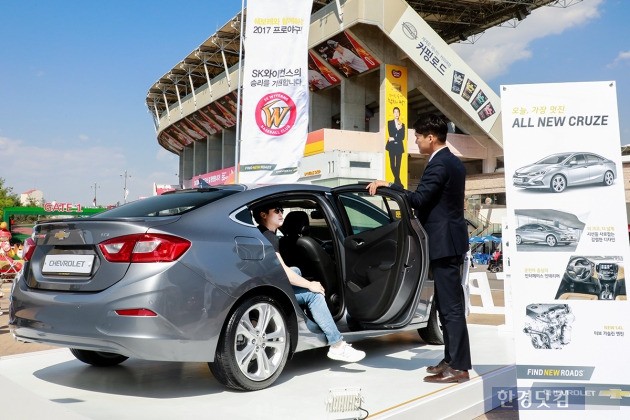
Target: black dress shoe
{"type": "Point", "coordinates": [439, 368]}
{"type": "Point", "coordinates": [448, 375]}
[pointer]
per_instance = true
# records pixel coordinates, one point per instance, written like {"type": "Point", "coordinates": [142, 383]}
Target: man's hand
{"type": "Point", "coordinates": [372, 186]}
{"type": "Point", "coordinates": [316, 287]}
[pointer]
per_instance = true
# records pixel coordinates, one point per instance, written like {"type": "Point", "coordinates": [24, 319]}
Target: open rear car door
{"type": "Point", "coordinates": [385, 256]}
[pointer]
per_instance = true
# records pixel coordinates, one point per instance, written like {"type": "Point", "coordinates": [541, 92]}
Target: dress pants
{"type": "Point", "coordinates": [451, 307]}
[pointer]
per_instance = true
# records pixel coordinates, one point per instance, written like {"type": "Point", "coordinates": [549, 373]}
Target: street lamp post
{"type": "Point", "coordinates": [95, 186]}
{"type": "Point", "coordinates": [125, 192]}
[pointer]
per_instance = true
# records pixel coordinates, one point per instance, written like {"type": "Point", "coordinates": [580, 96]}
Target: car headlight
{"type": "Point", "coordinates": [537, 173]}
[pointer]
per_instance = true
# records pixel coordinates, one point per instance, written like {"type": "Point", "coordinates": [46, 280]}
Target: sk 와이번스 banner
{"type": "Point", "coordinates": [275, 91]}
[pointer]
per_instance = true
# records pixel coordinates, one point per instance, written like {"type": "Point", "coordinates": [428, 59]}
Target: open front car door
{"type": "Point", "coordinates": [385, 257]}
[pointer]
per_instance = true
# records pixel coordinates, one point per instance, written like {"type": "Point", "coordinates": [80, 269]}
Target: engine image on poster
{"type": "Point", "coordinates": [549, 325]}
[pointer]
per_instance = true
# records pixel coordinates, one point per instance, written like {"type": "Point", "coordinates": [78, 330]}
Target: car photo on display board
{"type": "Point", "coordinates": [557, 172]}
{"type": "Point", "coordinates": [547, 230]}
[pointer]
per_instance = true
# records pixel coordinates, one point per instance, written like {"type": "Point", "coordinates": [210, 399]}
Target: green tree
{"type": "Point", "coordinates": [7, 198]}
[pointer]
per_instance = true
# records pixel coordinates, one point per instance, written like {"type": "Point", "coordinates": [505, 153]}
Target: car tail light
{"type": "Point", "coordinates": [144, 248]}
{"type": "Point", "coordinates": [28, 249]}
{"type": "Point", "coordinates": [135, 312]}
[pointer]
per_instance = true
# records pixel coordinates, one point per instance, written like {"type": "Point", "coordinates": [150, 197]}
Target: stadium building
{"type": "Point", "coordinates": [194, 105]}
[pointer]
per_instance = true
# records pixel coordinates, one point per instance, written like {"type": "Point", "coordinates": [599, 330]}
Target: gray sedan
{"type": "Point", "coordinates": [540, 233]}
{"type": "Point", "coordinates": [187, 276]}
{"type": "Point", "coordinates": [562, 170]}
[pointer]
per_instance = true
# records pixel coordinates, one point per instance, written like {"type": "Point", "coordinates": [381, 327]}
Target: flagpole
{"type": "Point", "coordinates": [237, 149]}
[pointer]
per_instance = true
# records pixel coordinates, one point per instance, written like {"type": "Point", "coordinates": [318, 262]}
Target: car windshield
{"type": "Point", "coordinates": [554, 159]}
{"type": "Point", "coordinates": [167, 204]}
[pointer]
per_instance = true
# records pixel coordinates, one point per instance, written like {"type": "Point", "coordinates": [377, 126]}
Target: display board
{"type": "Point", "coordinates": [567, 227]}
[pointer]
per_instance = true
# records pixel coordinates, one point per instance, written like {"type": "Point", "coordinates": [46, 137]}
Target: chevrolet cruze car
{"type": "Point", "coordinates": [562, 170]}
{"type": "Point", "coordinates": [187, 276]}
{"type": "Point", "coordinates": [541, 233]}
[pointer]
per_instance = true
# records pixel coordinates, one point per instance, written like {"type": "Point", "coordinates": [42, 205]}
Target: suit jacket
{"type": "Point", "coordinates": [439, 202]}
{"type": "Point", "coordinates": [396, 145]}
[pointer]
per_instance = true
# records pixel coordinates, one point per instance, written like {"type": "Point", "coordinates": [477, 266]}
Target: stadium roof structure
{"type": "Point", "coordinates": [453, 20]}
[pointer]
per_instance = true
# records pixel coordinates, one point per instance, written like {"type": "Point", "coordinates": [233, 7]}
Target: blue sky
{"type": "Point", "coordinates": [75, 74]}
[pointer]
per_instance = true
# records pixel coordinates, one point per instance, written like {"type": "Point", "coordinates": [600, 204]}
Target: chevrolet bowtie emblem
{"type": "Point", "coordinates": [614, 394]}
{"type": "Point", "coordinates": [61, 235]}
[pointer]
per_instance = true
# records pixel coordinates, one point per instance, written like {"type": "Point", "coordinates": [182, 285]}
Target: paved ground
{"type": "Point", "coordinates": [9, 346]}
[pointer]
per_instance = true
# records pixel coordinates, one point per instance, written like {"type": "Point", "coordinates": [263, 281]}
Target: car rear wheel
{"type": "Point", "coordinates": [609, 178]}
{"type": "Point", "coordinates": [98, 358]}
{"type": "Point", "coordinates": [551, 240]}
{"type": "Point", "coordinates": [558, 184]}
{"type": "Point", "coordinates": [432, 333]}
{"type": "Point", "coordinates": [254, 346]}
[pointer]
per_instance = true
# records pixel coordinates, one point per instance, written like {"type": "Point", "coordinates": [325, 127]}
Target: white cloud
{"type": "Point", "coordinates": [499, 48]}
{"type": "Point", "coordinates": [623, 56]}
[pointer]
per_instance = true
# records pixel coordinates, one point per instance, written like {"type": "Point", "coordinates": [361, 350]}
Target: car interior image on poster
{"type": "Point", "coordinates": [593, 278]}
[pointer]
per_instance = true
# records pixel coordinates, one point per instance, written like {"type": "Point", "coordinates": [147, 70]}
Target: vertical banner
{"type": "Point", "coordinates": [396, 124]}
{"type": "Point", "coordinates": [275, 90]}
{"type": "Point", "coordinates": [569, 249]}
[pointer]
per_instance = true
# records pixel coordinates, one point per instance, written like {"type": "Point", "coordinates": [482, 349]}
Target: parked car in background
{"type": "Point", "coordinates": [187, 276]}
{"type": "Point", "coordinates": [541, 233]}
{"type": "Point", "coordinates": [561, 170]}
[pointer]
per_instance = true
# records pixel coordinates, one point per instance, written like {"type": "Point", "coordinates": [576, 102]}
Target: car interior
{"type": "Point", "coordinates": [370, 287]}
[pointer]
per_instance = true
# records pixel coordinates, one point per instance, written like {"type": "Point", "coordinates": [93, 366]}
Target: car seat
{"type": "Point", "coordinates": [300, 250]}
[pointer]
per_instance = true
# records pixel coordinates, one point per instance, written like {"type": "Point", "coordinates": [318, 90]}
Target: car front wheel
{"type": "Point", "coordinates": [558, 184]}
{"type": "Point", "coordinates": [609, 178]}
{"type": "Point", "coordinates": [519, 240]}
{"type": "Point", "coordinates": [254, 346]}
{"type": "Point", "coordinates": [98, 358]}
{"type": "Point", "coordinates": [432, 333]}
{"type": "Point", "coordinates": [551, 240]}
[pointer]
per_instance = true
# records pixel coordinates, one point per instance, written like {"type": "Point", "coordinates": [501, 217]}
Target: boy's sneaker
{"type": "Point", "coordinates": [345, 353]}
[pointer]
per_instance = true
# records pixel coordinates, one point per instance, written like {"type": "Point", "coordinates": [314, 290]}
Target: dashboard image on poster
{"type": "Point", "coordinates": [593, 278]}
{"type": "Point", "coordinates": [554, 173]}
{"type": "Point", "coordinates": [548, 326]}
{"type": "Point", "coordinates": [546, 230]}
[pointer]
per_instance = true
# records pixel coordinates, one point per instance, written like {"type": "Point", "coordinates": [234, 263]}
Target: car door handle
{"type": "Point", "coordinates": [358, 242]}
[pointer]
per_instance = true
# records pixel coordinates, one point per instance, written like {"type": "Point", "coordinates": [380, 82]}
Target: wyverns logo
{"type": "Point", "coordinates": [275, 114]}
{"type": "Point", "coordinates": [396, 73]}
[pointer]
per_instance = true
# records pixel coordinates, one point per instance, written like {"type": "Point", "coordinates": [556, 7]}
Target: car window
{"type": "Point", "coordinates": [166, 204]}
{"type": "Point", "coordinates": [367, 212]}
{"type": "Point", "coordinates": [579, 159]}
{"type": "Point", "coordinates": [553, 159]}
{"type": "Point", "coordinates": [593, 159]}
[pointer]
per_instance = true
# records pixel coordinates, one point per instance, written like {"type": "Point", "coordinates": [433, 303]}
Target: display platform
{"type": "Point", "coordinates": [52, 384]}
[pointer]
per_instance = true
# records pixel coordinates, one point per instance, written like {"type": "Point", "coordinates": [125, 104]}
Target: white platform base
{"type": "Point", "coordinates": [52, 384]}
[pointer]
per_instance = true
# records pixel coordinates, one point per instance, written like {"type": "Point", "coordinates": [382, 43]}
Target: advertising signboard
{"type": "Point", "coordinates": [567, 227]}
{"type": "Point", "coordinates": [396, 124]}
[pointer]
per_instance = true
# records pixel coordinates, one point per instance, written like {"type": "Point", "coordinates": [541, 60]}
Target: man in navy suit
{"type": "Point", "coordinates": [439, 203]}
